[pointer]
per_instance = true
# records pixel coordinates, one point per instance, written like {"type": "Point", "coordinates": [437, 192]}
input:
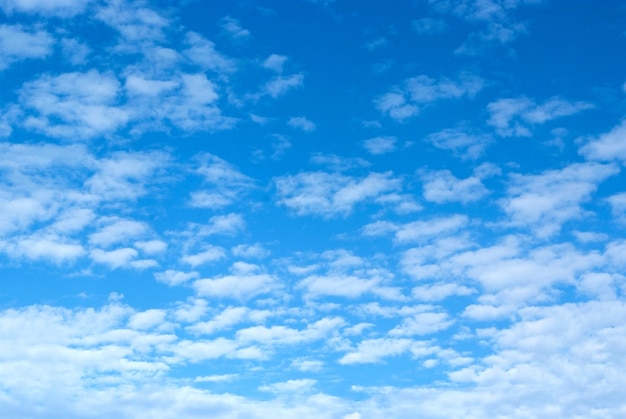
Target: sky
{"type": "Point", "coordinates": [312, 209]}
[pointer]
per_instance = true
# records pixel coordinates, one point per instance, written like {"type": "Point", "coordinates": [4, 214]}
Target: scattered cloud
{"type": "Point", "coordinates": [608, 146]}
{"type": "Point", "coordinates": [442, 186]}
{"type": "Point", "coordinates": [380, 145]}
{"type": "Point", "coordinates": [300, 122]}
{"type": "Point", "coordinates": [275, 62]}
{"type": "Point", "coordinates": [462, 142]}
{"type": "Point", "coordinates": [544, 202]}
{"type": "Point", "coordinates": [17, 44]}
{"type": "Point", "coordinates": [406, 101]}
{"type": "Point", "coordinates": [233, 28]}
{"type": "Point", "coordinates": [516, 117]}
{"type": "Point", "coordinates": [331, 194]}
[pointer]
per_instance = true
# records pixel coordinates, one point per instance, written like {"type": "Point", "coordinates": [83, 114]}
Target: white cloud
{"type": "Point", "coordinates": [545, 201]}
{"type": "Point", "coordinates": [338, 285]}
{"type": "Point", "coordinates": [289, 386]}
{"type": "Point", "coordinates": [590, 236]}
{"type": "Point", "coordinates": [197, 351]}
{"type": "Point", "coordinates": [146, 319]}
{"type": "Point", "coordinates": [116, 231]}
{"type": "Point", "coordinates": [302, 123]}
{"type": "Point", "coordinates": [151, 247]}
{"type": "Point", "coordinates": [422, 324]}
{"type": "Point", "coordinates": [607, 147]}
{"type": "Point", "coordinates": [202, 52]}
{"type": "Point", "coordinates": [43, 247]}
{"type": "Point", "coordinates": [618, 206]}
{"type": "Point", "coordinates": [228, 224]}
{"type": "Point", "coordinates": [61, 8]}
{"type": "Point", "coordinates": [462, 142]}
{"type": "Point", "coordinates": [17, 44]}
{"type": "Point", "coordinates": [442, 186]}
{"type": "Point", "coordinates": [75, 51]}
{"type": "Point", "coordinates": [135, 23]}
{"type": "Point", "coordinates": [84, 104]}
{"type": "Point", "coordinates": [246, 281]}
{"type": "Point", "coordinates": [516, 117]}
{"type": "Point", "coordinates": [250, 251]}
{"type": "Point", "coordinates": [211, 254]}
{"type": "Point", "coordinates": [225, 184]}
{"type": "Point", "coordinates": [497, 22]}
{"type": "Point", "coordinates": [233, 28]}
{"type": "Point", "coordinates": [396, 106]}
{"type": "Point", "coordinates": [191, 311]}
{"type": "Point", "coordinates": [275, 62]}
{"type": "Point", "coordinates": [281, 335]}
{"type": "Point", "coordinates": [331, 194]}
{"type": "Point", "coordinates": [280, 85]}
{"type": "Point", "coordinates": [512, 278]}
{"type": "Point", "coordinates": [173, 278]}
{"type": "Point", "coordinates": [307, 365]}
{"type": "Point", "coordinates": [124, 175]}
{"type": "Point", "coordinates": [225, 320]}
{"type": "Point", "coordinates": [418, 231]}
{"type": "Point", "coordinates": [140, 264]}
{"type": "Point", "coordinates": [404, 102]}
{"type": "Point", "coordinates": [114, 258]}
{"type": "Point", "coordinates": [216, 378]}
{"type": "Point", "coordinates": [440, 291]}
{"type": "Point", "coordinates": [380, 145]}
{"type": "Point", "coordinates": [375, 350]}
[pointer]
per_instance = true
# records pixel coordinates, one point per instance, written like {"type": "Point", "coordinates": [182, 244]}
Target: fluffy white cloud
{"type": "Point", "coordinates": [210, 254]}
{"type": "Point", "coordinates": [282, 335]}
{"type": "Point", "coordinates": [545, 201]}
{"type": "Point", "coordinates": [380, 145]}
{"type": "Point", "coordinates": [280, 85]}
{"type": "Point", "coordinates": [62, 8]}
{"type": "Point", "coordinates": [405, 101]}
{"type": "Point", "coordinates": [117, 258]}
{"type": "Point", "coordinates": [224, 183]}
{"type": "Point", "coordinates": [516, 117]}
{"type": "Point", "coordinates": [250, 251]}
{"type": "Point", "coordinates": [331, 194]}
{"type": "Point", "coordinates": [117, 230]}
{"type": "Point", "coordinates": [289, 386]}
{"type": "Point", "coordinates": [147, 319]}
{"type": "Point", "coordinates": [233, 28]}
{"type": "Point", "coordinates": [375, 350]}
{"type": "Point", "coordinates": [607, 147]}
{"type": "Point", "coordinates": [247, 281]}
{"type": "Point", "coordinates": [422, 324]}
{"type": "Point", "coordinates": [172, 277]}
{"type": "Point", "coordinates": [618, 206]}
{"type": "Point", "coordinates": [440, 291]}
{"type": "Point", "coordinates": [417, 231]}
{"type": "Point", "coordinates": [462, 142]}
{"type": "Point", "coordinates": [275, 62]}
{"type": "Point", "coordinates": [202, 52]}
{"type": "Point", "coordinates": [134, 22]}
{"type": "Point", "coordinates": [442, 186]}
{"type": "Point", "coordinates": [17, 44]}
{"type": "Point", "coordinates": [124, 175]}
{"type": "Point", "coordinates": [302, 123]}
{"type": "Point", "coordinates": [224, 320]}
{"type": "Point", "coordinates": [43, 247]}
{"type": "Point", "coordinates": [85, 104]}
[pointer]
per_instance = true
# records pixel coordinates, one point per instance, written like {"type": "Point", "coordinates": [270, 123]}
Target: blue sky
{"type": "Point", "coordinates": [338, 209]}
